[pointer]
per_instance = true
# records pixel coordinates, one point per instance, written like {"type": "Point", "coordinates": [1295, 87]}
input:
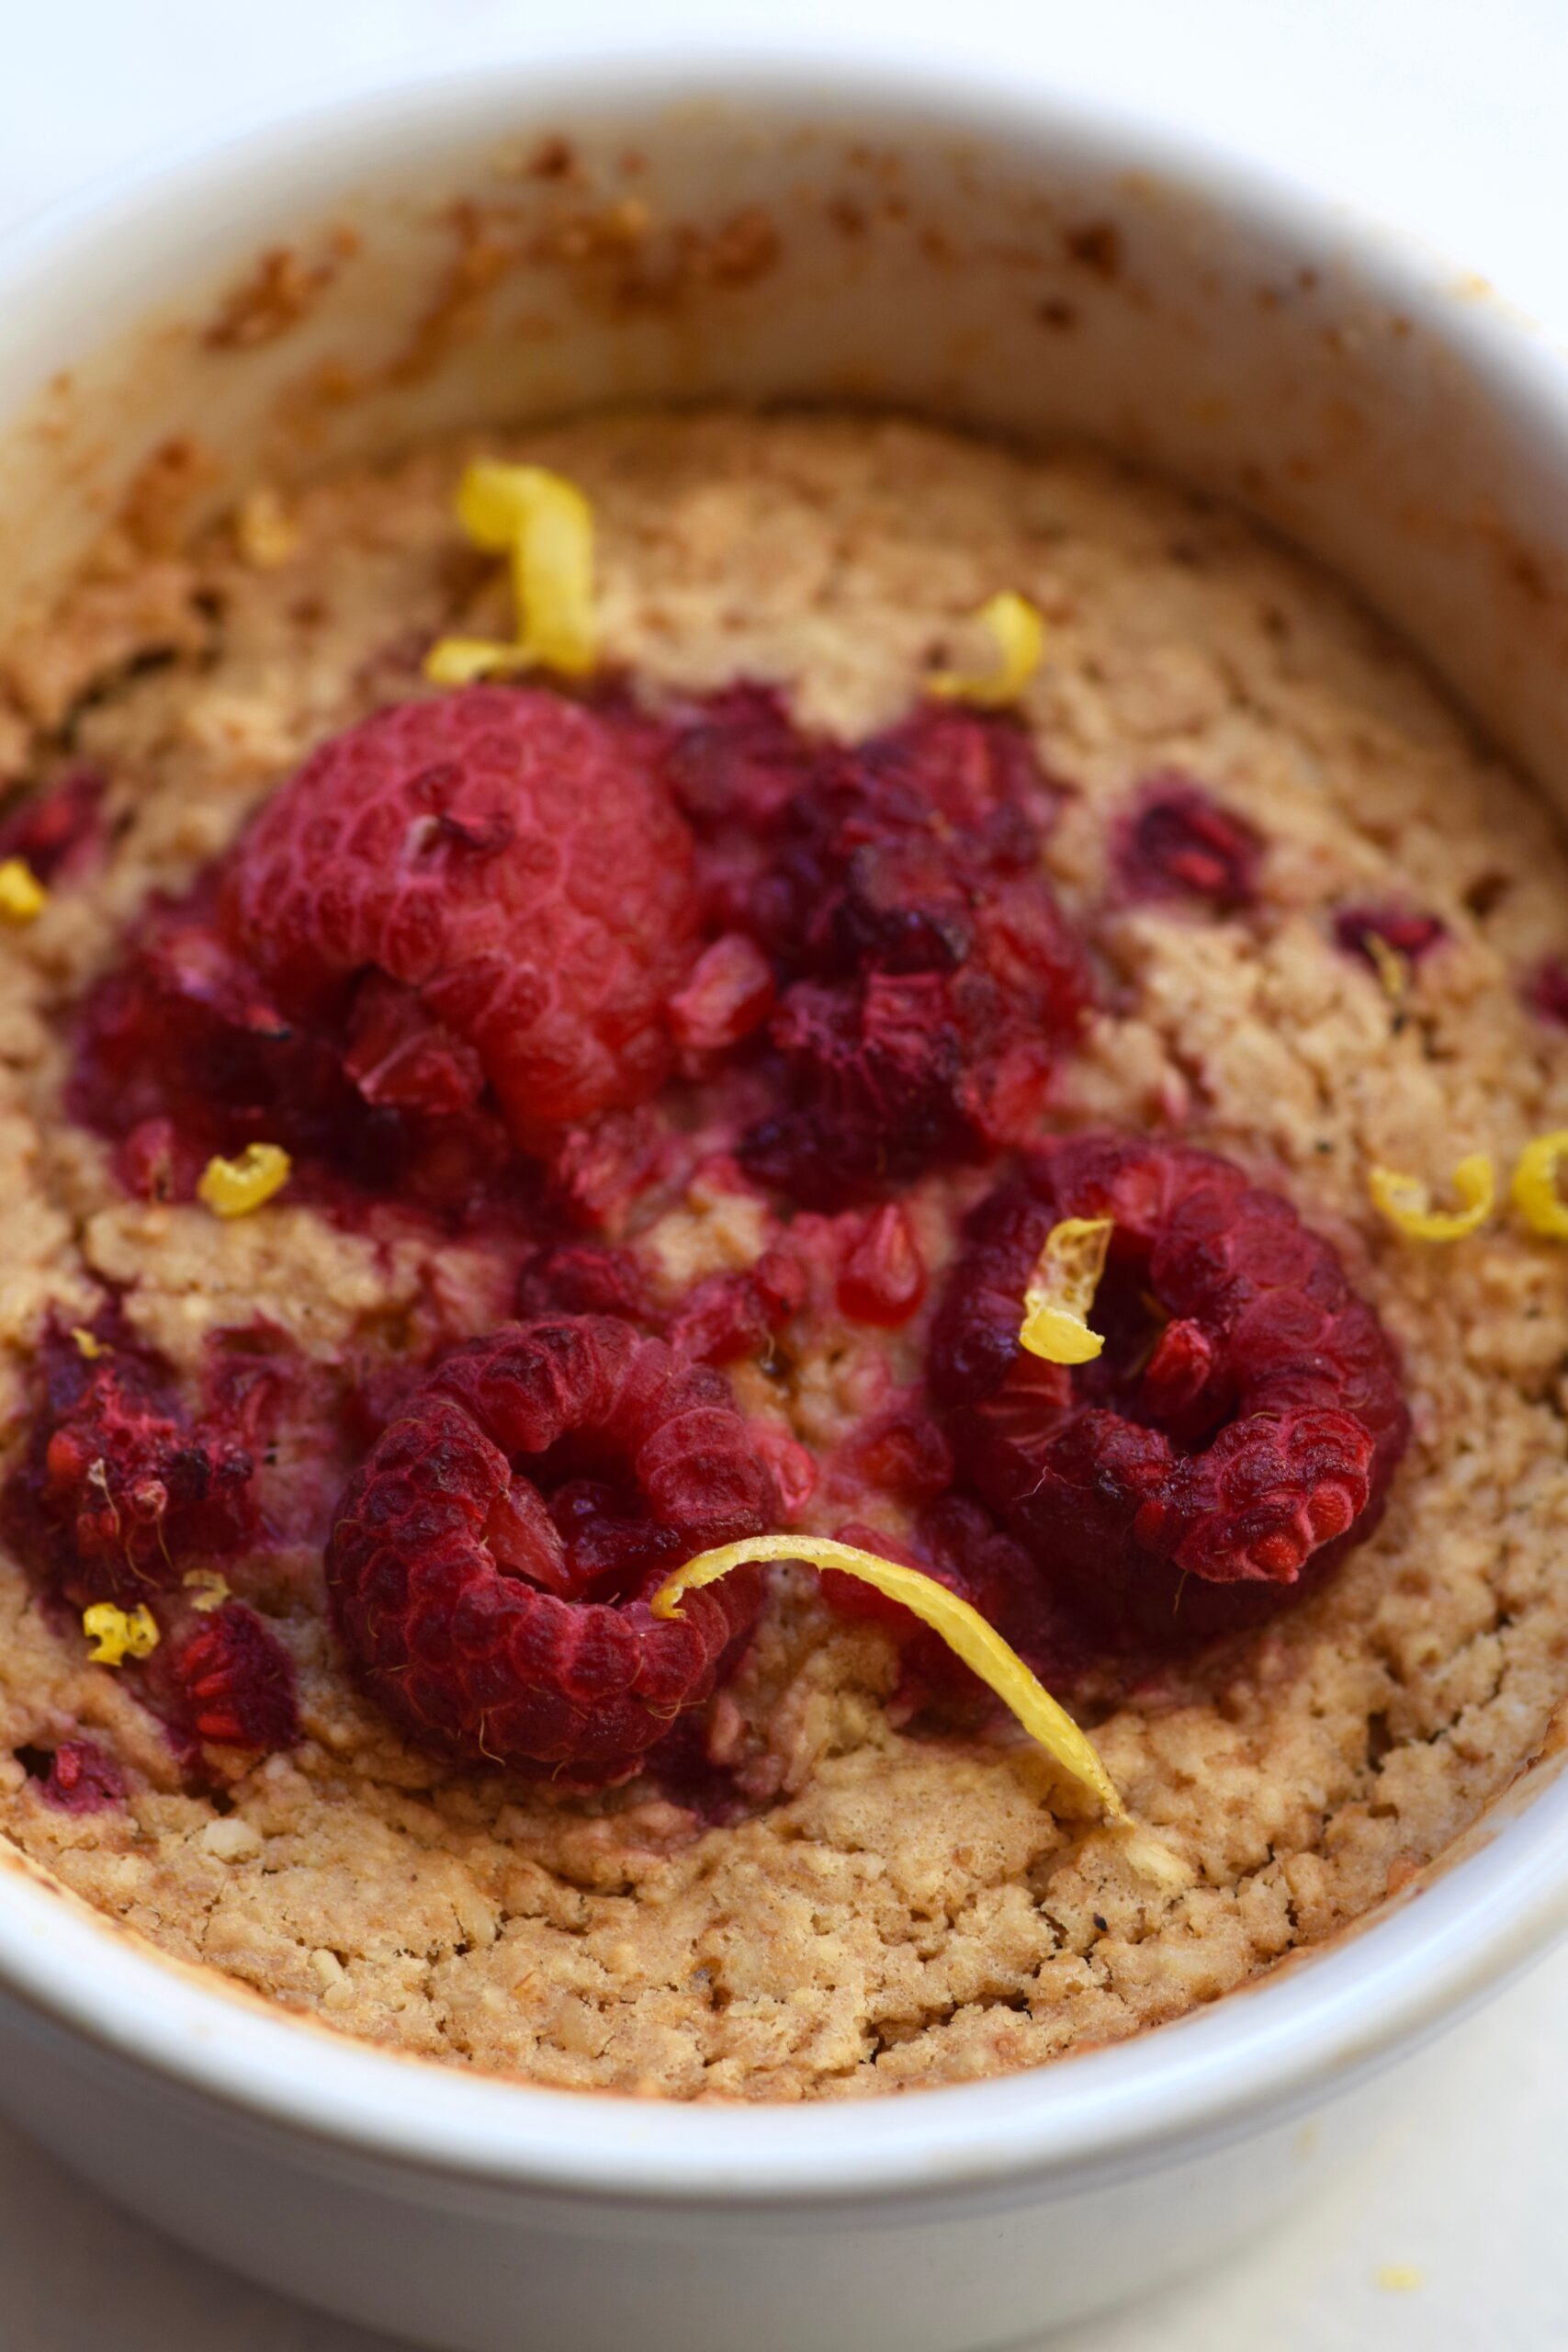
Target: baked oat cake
{"type": "Point", "coordinates": [707, 1035]}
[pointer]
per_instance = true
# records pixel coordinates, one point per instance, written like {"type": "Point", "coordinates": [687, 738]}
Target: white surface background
{"type": "Point", "coordinates": [1446, 116]}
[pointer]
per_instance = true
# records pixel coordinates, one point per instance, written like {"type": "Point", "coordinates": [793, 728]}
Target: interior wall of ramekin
{"type": "Point", "coordinates": [827, 245]}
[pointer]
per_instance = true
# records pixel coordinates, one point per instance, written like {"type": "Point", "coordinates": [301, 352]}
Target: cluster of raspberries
{"type": "Point", "coordinates": [891, 895]}
{"type": "Point", "coordinates": [492, 1562]}
{"type": "Point", "coordinates": [121, 1493]}
{"type": "Point", "coordinates": [478, 930]}
{"type": "Point", "coordinates": [493, 924]}
{"type": "Point", "coordinates": [450, 937]}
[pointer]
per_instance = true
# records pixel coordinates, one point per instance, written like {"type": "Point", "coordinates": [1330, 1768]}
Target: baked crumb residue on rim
{"type": "Point", "coordinates": [849, 1892]}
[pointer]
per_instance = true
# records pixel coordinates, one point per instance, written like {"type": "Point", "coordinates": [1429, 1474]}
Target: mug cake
{"type": "Point", "coordinates": [785, 1296]}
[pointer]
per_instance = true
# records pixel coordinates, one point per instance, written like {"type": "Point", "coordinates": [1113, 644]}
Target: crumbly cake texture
{"type": "Point", "coordinates": [904, 1910]}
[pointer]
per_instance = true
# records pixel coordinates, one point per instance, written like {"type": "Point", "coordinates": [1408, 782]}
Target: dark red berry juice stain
{"type": "Point", "coordinates": [58, 833]}
{"type": "Point", "coordinates": [1406, 931]}
{"type": "Point", "coordinates": [230, 1681]}
{"type": "Point", "coordinates": [1240, 1429]}
{"type": "Point", "coordinates": [77, 1777]}
{"type": "Point", "coordinates": [1180, 842]}
{"type": "Point", "coordinates": [1546, 989]}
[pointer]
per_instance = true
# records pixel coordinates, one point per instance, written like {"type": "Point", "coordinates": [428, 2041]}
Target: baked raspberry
{"type": "Point", "coordinates": [1180, 843]}
{"type": "Point", "coordinates": [883, 1280]}
{"type": "Point", "coordinates": [452, 933]}
{"type": "Point", "coordinates": [491, 1564]}
{"type": "Point", "coordinates": [234, 1682]}
{"type": "Point", "coordinates": [901, 1451]}
{"type": "Point", "coordinates": [182, 1051]}
{"type": "Point", "coordinates": [1239, 1432]}
{"type": "Point", "coordinates": [510, 859]}
{"type": "Point", "coordinates": [119, 1487]}
{"type": "Point", "coordinates": [734, 765]}
{"type": "Point", "coordinates": [79, 1777]}
{"type": "Point", "coordinates": [949, 981]}
{"type": "Point", "coordinates": [928, 979]}
{"type": "Point", "coordinates": [1409, 934]}
{"type": "Point", "coordinates": [727, 1315]}
{"type": "Point", "coordinates": [582, 1278]}
{"type": "Point", "coordinates": [58, 832]}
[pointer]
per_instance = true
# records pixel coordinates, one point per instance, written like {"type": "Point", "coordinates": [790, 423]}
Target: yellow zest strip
{"type": "Point", "coordinates": [1406, 1202]}
{"type": "Point", "coordinates": [1020, 632]}
{"type": "Point", "coordinates": [22, 895]}
{"type": "Point", "coordinates": [1061, 1291]}
{"type": "Point", "coordinates": [87, 1346]}
{"type": "Point", "coordinates": [119, 1633]}
{"type": "Point", "coordinates": [964, 1630]}
{"type": "Point", "coordinates": [207, 1588]}
{"type": "Point", "coordinates": [1534, 1188]}
{"type": "Point", "coordinates": [546, 524]}
{"type": "Point", "coordinates": [235, 1187]}
{"type": "Point", "coordinates": [1392, 969]}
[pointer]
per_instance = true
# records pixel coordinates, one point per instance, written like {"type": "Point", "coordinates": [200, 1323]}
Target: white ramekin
{"type": "Point", "coordinates": [946, 246]}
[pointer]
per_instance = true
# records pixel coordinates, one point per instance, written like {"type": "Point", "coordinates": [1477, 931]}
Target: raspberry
{"type": "Point", "coordinates": [727, 1315]}
{"type": "Point", "coordinates": [182, 1052]}
{"type": "Point", "coordinates": [492, 1563]}
{"type": "Point", "coordinates": [509, 859]}
{"type": "Point", "coordinates": [234, 1682]}
{"type": "Point", "coordinates": [1205, 1468]}
{"type": "Point", "coordinates": [1179, 844]}
{"type": "Point", "coordinates": [1410, 936]}
{"type": "Point", "coordinates": [877, 1070]}
{"type": "Point", "coordinates": [793, 1469]}
{"type": "Point", "coordinates": [452, 933]}
{"type": "Point", "coordinates": [582, 1278]}
{"type": "Point", "coordinates": [59, 831]}
{"type": "Point", "coordinates": [929, 980]}
{"type": "Point", "coordinates": [734, 766]}
{"type": "Point", "coordinates": [80, 1778]}
{"type": "Point", "coordinates": [119, 1487]}
{"type": "Point", "coordinates": [901, 1451]}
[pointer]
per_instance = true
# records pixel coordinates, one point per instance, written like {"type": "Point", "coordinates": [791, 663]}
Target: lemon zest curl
{"type": "Point", "coordinates": [22, 896]}
{"type": "Point", "coordinates": [119, 1633]}
{"type": "Point", "coordinates": [235, 1187]}
{"type": "Point", "coordinates": [1020, 631]}
{"type": "Point", "coordinates": [1406, 1202]}
{"type": "Point", "coordinates": [964, 1630]}
{"type": "Point", "coordinates": [1392, 969]}
{"type": "Point", "coordinates": [88, 1347]}
{"type": "Point", "coordinates": [545, 525]}
{"type": "Point", "coordinates": [1061, 1291]}
{"type": "Point", "coordinates": [207, 1589]}
{"type": "Point", "coordinates": [1534, 1189]}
